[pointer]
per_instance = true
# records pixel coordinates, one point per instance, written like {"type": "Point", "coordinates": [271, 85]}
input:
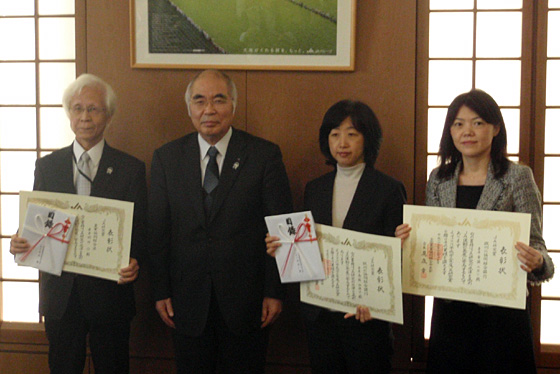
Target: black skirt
{"type": "Point", "coordinates": [470, 338]}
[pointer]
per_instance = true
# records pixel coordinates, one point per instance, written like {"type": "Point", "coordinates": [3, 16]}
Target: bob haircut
{"type": "Point", "coordinates": [232, 89]}
{"type": "Point", "coordinates": [487, 108]}
{"type": "Point", "coordinates": [92, 81]}
{"type": "Point", "coordinates": [363, 119]}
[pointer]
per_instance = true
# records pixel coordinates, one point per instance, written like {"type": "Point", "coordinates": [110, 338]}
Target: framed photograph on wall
{"type": "Point", "coordinates": [243, 34]}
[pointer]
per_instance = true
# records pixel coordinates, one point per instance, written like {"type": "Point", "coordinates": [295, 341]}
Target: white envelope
{"type": "Point", "coordinates": [48, 231]}
{"type": "Point", "coordinates": [299, 257]}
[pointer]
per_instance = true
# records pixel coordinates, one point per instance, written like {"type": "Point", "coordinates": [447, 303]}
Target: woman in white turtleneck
{"type": "Point", "coordinates": [357, 197]}
{"type": "Point", "coordinates": [348, 170]}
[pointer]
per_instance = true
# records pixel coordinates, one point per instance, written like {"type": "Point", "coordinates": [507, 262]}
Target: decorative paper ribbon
{"type": "Point", "coordinates": [54, 233]}
{"type": "Point", "coordinates": [302, 229]}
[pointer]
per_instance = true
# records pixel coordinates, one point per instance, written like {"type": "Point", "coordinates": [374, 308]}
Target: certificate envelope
{"type": "Point", "coordinates": [465, 254]}
{"type": "Point", "coordinates": [100, 244]}
{"type": "Point", "coordinates": [362, 269]}
{"type": "Point", "coordinates": [299, 257]}
{"type": "Point", "coordinates": [48, 231]}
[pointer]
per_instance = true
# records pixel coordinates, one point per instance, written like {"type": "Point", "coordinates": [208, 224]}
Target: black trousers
{"type": "Point", "coordinates": [347, 346]}
{"type": "Point", "coordinates": [218, 350]}
{"type": "Point", "coordinates": [108, 342]}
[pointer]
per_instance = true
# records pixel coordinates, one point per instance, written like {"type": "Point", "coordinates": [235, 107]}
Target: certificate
{"type": "Point", "coordinates": [299, 257]}
{"type": "Point", "coordinates": [465, 254]}
{"type": "Point", "coordinates": [100, 244]}
{"type": "Point", "coordinates": [362, 269]}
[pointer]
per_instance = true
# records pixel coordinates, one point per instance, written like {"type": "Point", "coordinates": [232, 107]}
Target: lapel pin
{"type": "Point", "coordinates": [236, 165]}
{"type": "Point", "coordinates": [109, 170]}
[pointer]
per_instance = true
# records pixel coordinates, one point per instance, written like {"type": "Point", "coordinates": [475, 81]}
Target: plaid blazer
{"type": "Point", "coordinates": [516, 191]}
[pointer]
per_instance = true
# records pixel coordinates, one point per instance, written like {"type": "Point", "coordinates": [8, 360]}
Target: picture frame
{"type": "Point", "coordinates": [243, 35]}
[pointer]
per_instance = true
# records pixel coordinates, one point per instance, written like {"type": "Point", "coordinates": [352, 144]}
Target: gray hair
{"type": "Point", "coordinates": [232, 89]}
{"type": "Point", "coordinates": [90, 80]}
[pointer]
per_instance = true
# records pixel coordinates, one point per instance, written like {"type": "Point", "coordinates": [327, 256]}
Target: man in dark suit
{"type": "Point", "coordinates": [77, 305]}
{"type": "Point", "coordinates": [213, 282]}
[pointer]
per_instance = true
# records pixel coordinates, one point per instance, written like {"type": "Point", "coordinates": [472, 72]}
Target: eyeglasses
{"type": "Point", "coordinates": [218, 102]}
{"type": "Point", "coordinates": [93, 110]}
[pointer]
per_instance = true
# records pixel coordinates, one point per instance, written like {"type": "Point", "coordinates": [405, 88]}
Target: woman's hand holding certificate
{"type": "Point", "coordinates": [466, 254]}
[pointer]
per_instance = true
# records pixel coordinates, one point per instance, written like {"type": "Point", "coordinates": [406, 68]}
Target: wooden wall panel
{"type": "Point", "coordinates": [287, 107]}
{"type": "Point", "coordinates": [23, 362]}
{"type": "Point", "coordinates": [26, 359]}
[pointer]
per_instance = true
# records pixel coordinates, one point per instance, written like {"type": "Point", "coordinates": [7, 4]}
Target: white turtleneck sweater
{"type": "Point", "coordinates": [345, 184]}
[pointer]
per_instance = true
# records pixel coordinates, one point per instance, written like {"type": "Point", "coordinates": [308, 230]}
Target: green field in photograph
{"type": "Point", "coordinates": [266, 26]}
{"type": "Point", "coordinates": [327, 6]}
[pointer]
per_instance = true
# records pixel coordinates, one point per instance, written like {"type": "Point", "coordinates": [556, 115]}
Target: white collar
{"type": "Point", "coordinates": [94, 153]}
{"type": "Point", "coordinates": [221, 145]}
{"type": "Point", "coordinates": [350, 172]}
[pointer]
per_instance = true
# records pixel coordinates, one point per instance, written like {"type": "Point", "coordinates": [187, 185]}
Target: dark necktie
{"type": "Point", "coordinates": [211, 178]}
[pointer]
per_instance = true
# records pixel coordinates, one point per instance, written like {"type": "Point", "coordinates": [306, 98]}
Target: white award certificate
{"type": "Point", "coordinates": [100, 242]}
{"type": "Point", "coordinates": [362, 269]}
{"type": "Point", "coordinates": [298, 258]}
{"type": "Point", "coordinates": [465, 254]}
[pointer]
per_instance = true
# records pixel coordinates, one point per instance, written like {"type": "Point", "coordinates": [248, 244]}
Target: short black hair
{"type": "Point", "coordinates": [363, 119]}
{"type": "Point", "coordinates": [486, 107]}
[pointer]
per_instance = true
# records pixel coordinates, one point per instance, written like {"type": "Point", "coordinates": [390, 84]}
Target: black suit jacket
{"type": "Point", "coordinates": [376, 208]}
{"type": "Point", "coordinates": [227, 254]}
{"type": "Point", "coordinates": [121, 177]}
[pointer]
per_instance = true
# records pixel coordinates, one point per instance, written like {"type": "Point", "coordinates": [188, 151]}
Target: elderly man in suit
{"type": "Point", "coordinates": [75, 305]}
{"type": "Point", "coordinates": [210, 191]}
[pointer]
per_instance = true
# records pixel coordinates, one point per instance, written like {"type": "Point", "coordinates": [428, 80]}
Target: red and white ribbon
{"type": "Point", "coordinates": [303, 234]}
{"type": "Point", "coordinates": [57, 232]}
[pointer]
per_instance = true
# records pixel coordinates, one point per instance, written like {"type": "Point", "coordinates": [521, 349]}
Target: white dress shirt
{"type": "Point", "coordinates": [222, 146]}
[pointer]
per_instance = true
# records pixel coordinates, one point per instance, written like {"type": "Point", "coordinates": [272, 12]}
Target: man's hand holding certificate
{"type": "Point", "coordinates": [298, 258]}
{"type": "Point", "coordinates": [101, 238]}
{"type": "Point", "coordinates": [465, 254]}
